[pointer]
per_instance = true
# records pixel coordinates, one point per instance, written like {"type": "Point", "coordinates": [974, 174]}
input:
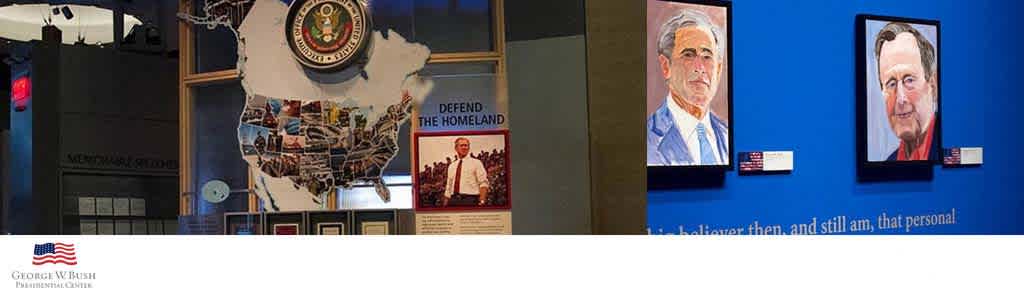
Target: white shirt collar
{"type": "Point", "coordinates": [686, 123]}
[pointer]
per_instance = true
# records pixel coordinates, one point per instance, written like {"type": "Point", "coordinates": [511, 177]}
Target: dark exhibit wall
{"type": "Point", "coordinates": [795, 90]}
{"type": "Point", "coordinates": [99, 123]}
{"type": "Point", "coordinates": [546, 52]}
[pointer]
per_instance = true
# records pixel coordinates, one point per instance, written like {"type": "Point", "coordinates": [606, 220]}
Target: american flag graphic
{"type": "Point", "coordinates": [751, 161]}
{"type": "Point", "coordinates": [952, 156]}
{"type": "Point", "coordinates": [55, 253]}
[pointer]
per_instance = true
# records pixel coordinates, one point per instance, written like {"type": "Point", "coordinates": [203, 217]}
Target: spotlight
{"type": "Point", "coordinates": [67, 13]}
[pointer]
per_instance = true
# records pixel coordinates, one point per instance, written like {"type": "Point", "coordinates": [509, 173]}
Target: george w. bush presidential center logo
{"type": "Point", "coordinates": [328, 35]}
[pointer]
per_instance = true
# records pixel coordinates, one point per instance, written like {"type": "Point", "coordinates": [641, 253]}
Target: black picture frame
{"type": "Point", "coordinates": [362, 216]}
{"type": "Point", "coordinates": [697, 176]}
{"type": "Point", "coordinates": [893, 170]}
{"type": "Point", "coordinates": [316, 218]}
{"type": "Point", "coordinates": [272, 219]}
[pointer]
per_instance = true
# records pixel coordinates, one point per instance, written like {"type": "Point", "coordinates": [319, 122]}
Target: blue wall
{"type": "Point", "coordinates": [794, 90]}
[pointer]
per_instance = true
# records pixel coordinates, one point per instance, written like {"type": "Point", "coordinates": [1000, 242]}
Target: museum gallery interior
{"type": "Point", "coordinates": [403, 117]}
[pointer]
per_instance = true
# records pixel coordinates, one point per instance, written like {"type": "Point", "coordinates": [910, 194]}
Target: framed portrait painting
{"type": "Point", "coordinates": [689, 96]}
{"type": "Point", "coordinates": [898, 92]}
{"type": "Point", "coordinates": [689, 119]}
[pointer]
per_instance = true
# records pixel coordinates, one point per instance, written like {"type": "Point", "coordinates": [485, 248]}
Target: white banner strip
{"type": "Point", "coordinates": [516, 267]}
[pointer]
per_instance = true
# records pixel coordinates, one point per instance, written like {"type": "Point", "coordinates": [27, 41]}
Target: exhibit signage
{"type": "Point", "coordinates": [963, 156]}
{"type": "Point", "coordinates": [766, 161]}
{"type": "Point", "coordinates": [499, 222]}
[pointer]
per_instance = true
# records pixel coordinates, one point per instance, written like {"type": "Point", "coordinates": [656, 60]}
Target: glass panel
{"type": "Point", "coordinates": [215, 154]}
{"type": "Point", "coordinates": [365, 196]}
{"type": "Point", "coordinates": [443, 25]}
{"type": "Point", "coordinates": [215, 50]}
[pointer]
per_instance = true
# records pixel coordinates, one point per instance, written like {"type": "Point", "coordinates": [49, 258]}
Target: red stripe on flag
{"type": "Point", "coordinates": [48, 256]}
{"type": "Point", "coordinates": [70, 263]}
{"type": "Point", "coordinates": [62, 244]}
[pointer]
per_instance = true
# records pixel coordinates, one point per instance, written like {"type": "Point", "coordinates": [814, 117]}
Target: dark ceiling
{"type": "Point", "coordinates": [156, 13]}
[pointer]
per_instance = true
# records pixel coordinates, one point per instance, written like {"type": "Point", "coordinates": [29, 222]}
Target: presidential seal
{"type": "Point", "coordinates": [328, 35]}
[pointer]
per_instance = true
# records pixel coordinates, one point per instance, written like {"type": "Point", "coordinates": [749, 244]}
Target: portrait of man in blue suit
{"type": "Point", "coordinates": [684, 131]}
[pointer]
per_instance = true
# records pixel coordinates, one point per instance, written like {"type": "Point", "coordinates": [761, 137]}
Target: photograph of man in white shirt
{"type": "Point", "coordinates": [467, 178]}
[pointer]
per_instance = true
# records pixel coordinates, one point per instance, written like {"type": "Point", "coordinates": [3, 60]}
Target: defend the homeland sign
{"type": "Point", "coordinates": [327, 35]}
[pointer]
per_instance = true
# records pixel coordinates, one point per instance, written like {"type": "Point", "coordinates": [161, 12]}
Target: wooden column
{"type": "Point", "coordinates": [615, 87]}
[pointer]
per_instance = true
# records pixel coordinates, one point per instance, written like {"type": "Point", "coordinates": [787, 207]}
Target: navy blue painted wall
{"type": "Point", "coordinates": [794, 90]}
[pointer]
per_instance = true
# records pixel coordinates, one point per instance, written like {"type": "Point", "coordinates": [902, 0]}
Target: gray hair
{"type": "Point", "coordinates": [688, 17]}
{"type": "Point", "coordinates": [925, 48]}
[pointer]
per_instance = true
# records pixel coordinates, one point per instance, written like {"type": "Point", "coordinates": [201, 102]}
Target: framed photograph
{"type": "Point", "coordinates": [243, 223]}
{"type": "Point", "coordinates": [331, 222]}
{"type": "Point", "coordinates": [462, 170]}
{"type": "Point", "coordinates": [375, 222]}
{"type": "Point", "coordinates": [689, 86]}
{"type": "Point", "coordinates": [286, 229]}
{"type": "Point", "coordinates": [122, 206]}
{"type": "Point", "coordinates": [104, 206]}
{"type": "Point", "coordinates": [330, 229]}
{"type": "Point", "coordinates": [375, 228]}
{"type": "Point", "coordinates": [898, 91]}
{"type": "Point", "coordinates": [284, 223]}
{"type": "Point", "coordinates": [86, 206]}
{"type": "Point", "coordinates": [138, 207]}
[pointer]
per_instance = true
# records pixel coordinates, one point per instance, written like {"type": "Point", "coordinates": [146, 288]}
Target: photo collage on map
{"type": "Point", "coordinates": [301, 140]}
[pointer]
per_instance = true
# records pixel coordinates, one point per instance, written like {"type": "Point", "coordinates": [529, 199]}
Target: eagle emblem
{"type": "Point", "coordinates": [327, 35]}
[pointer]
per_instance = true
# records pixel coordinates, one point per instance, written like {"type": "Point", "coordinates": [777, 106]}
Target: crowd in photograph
{"type": "Point", "coordinates": [431, 178]}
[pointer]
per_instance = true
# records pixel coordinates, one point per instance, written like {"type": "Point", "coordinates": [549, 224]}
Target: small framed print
{"type": "Point", "coordinates": [375, 222]}
{"type": "Point", "coordinates": [286, 229]}
{"type": "Point", "coordinates": [243, 224]}
{"type": "Point", "coordinates": [155, 227]}
{"type": "Point", "coordinates": [139, 227]}
{"type": "Point", "coordinates": [122, 227]}
{"type": "Point", "coordinates": [122, 206]}
{"type": "Point", "coordinates": [375, 228]}
{"type": "Point", "coordinates": [87, 227]}
{"type": "Point", "coordinates": [138, 207]}
{"type": "Point", "coordinates": [87, 207]}
{"type": "Point", "coordinates": [244, 229]}
{"type": "Point", "coordinates": [285, 223]}
{"type": "Point", "coordinates": [330, 229]}
{"type": "Point", "coordinates": [105, 227]}
{"type": "Point", "coordinates": [330, 221]}
{"type": "Point", "coordinates": [104, 206]}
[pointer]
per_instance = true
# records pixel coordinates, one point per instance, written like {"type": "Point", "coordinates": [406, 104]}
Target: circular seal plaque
{"type": "Point", "coordinates": [328, 35]}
